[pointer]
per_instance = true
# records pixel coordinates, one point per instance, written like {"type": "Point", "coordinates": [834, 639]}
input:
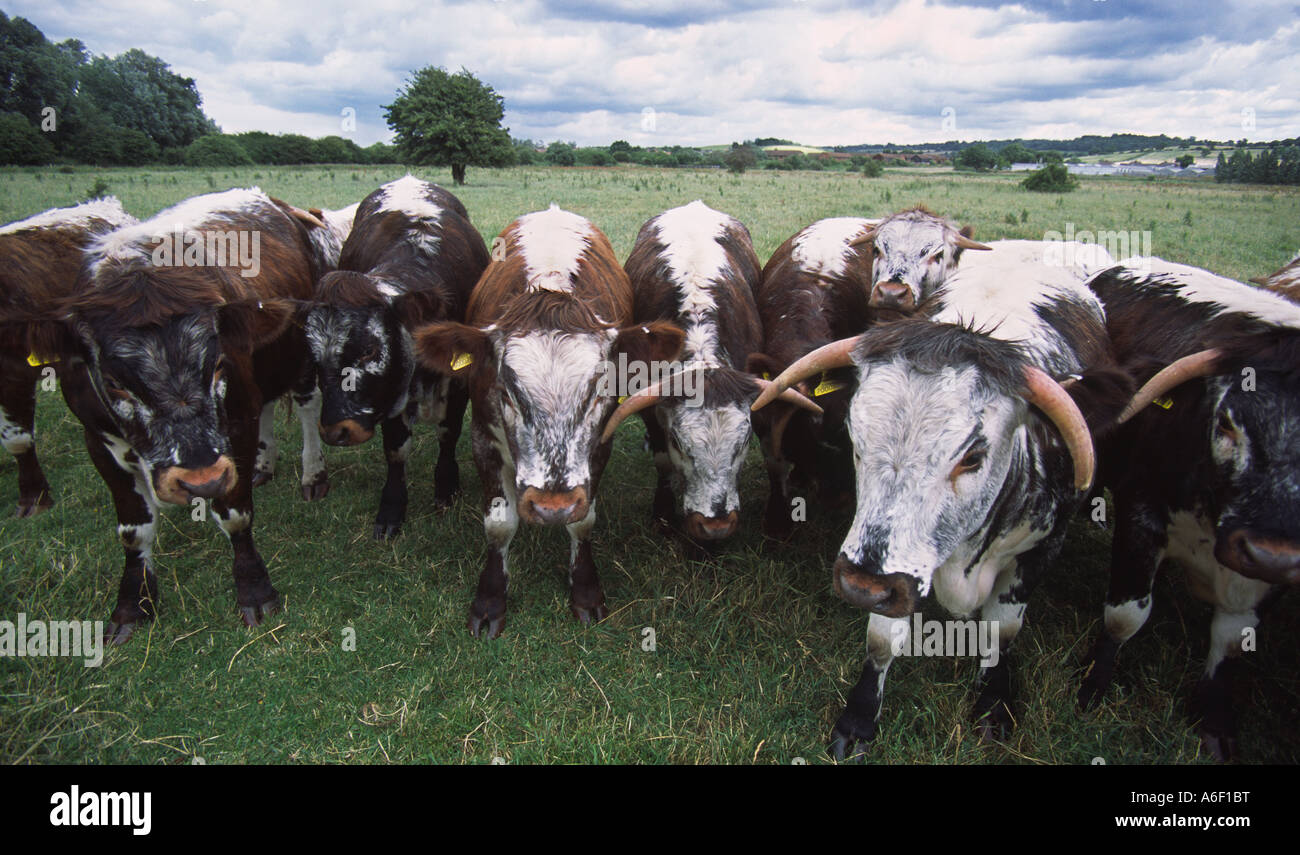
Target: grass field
{"type": "Point", "coordinates": [754, 653]}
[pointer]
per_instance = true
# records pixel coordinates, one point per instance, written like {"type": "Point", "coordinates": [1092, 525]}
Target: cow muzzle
{"type": "Point", "coordinates": [553, 508]}
{"type": "Point", "coordinates": [179, 485]}
{"type": "Point", "coordinates": [892, 295]}
{"type": "Point", "coordinates": [346, 432]}
{"type": "Point", "coordinates": [1272, 560]}
{"type": "Point", "coordinates": [700, 527]}
{"type": "Point", "coordinates": [889, 594]}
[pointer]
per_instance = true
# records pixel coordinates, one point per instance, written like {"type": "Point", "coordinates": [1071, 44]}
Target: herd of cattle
{"type": "Point", "coordinates": [984, 393]}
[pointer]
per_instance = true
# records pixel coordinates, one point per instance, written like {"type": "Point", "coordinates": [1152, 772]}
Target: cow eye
{"type": "Point", "coordinates": [937, 257]}
{"type": "Point", "coordinates": [971, 461]}
{"type": "Point", "coordinates": [1226, 429]}
{"type": "Point", "coordinates": [875, 252]}
{"type": "Point", "coordinates": [114, 388]}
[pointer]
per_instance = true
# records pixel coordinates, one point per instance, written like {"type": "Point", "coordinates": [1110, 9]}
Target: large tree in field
{"type": "Point", "coordinates": [139, 91]}
{"type": "Point", "coordinates": [452, 120]}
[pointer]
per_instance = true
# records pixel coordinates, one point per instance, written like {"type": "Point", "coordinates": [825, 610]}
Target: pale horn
{"type": "Point", "coordinates": [837, 354]}
{"type": "Point", "coordinates": [1050, 397]}
{"type": "Point", "coordinates": [1199, 364]}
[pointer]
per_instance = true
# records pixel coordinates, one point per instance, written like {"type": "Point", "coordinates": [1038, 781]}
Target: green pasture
{"type": "Point", "coordinates": [753, 653]}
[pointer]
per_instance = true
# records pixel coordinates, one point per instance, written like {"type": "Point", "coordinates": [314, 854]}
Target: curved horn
{"type": "Point", "coordinates": [866, 237]}
{"type": "Point", "coordinates": [966, 243]}
{"type": "Point", "coordinates": [792, 396]}
{"type": "Point", "coordinates": [647, 397]}
{"type": "Point", "coordinates": [1199, 364]}
{"type": "Point", "coordinates": [1050, 397]}
{"type": "Point", "coordinates": [837, 354]}
{"type": "Point", "coordinates": [306, 217]}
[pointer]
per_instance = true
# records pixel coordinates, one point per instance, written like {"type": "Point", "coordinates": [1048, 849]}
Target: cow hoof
{"type": "Point", "coordinates": [387, 531]}
{"type": "Point", "coordinates": [312, 492]}
{"type": "Point", "coordinates": [850, 739]}
{"type": "Point", "coordinates": [118, 633]}
{"type": "Point", "coordinates": [32, 507]}
{"type": "Point", "coordinates": [995, 725]}
{"type": "Point", "coordinates": [587, 615]}
{"type": "Point", "coordinates": [1221, 746]}
{"type": "Point", "coordinates": [442, 503]}
{"type": "Point", "coordinates": [1090, 691]}
{"type": "Point", "coordinates": [254, 615]}
{"type": "Point", "coordinates": [261, 476]}
{"type": "Point", "coordinates": [487, 617]}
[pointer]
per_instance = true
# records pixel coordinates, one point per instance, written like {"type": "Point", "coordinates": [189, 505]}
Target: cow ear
{"type": "Point", "coordinates": [417, 309]}
{"type": "Point", "coordinates": [1101, 393]}
{"type": "Point", "coordinates": [457, 350]}
{"type": "Point", "coordinates": [659, 341]}
{"type": "Point", "coordinates": [255, 323]}
{"type": "Point", "coordinates": [762, 365]}
{"type": "Point", "coordinates": [51, 341]}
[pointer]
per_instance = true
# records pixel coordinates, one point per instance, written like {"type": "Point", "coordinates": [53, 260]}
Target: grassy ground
{"type": "Point", "coordinates": [753, 654]}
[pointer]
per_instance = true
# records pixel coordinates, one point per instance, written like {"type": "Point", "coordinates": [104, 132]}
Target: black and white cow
{"type": "Point", "coordinates": [913, 253]}
{"type": "Point", "coordinates": [696, 267]}
{"type": "Point", "coordinates": [39, 261]}
{"type": "Point", "coordinates": [970, 459]}
{"type": "Point", "coordinates": [412, 258]}
{"type": "Point", "coordinates": [1211, 475]}
{"type": "Point", "coordinates": [547, 322]}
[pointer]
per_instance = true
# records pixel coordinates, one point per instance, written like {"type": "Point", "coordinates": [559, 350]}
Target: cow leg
{"type": "Point", "coordinates": [487, 614]}
{"type": "Point", "coordinates": [1004, 610]}
{"type": "Point", "coordinates": [17, 435]}
{"type": "Point", "coordinates": [1211, 704]}
{"type": "Point", "coordinates": [392, 500]}
{"type": "Point", "coordinates": [264, 468]}
{"type": "Point", "coordinates": [137, 592]}
{"type": "Point", "coordinates": [315, 477]}
{"type": "Point", "coordinates": [778, 520]}
{"type": "Point", "coordinates": [446, 472]}
{"type": "Point", "coordinates": [858, 723]}
{"type": "Point", "coordinates": [1136, 551]}
{"type": "Point", "coordinates": [663, 508]}
{"type": "Point", "coordinates": [586, 597]}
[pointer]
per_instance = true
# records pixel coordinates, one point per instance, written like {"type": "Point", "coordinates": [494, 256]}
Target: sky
{"type": "Point", "coordinates": [699, 72]}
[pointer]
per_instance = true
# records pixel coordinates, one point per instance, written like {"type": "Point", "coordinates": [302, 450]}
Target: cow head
{"type": "Point", "coordinates": [708, 430]}
{"type": "Point", "coordinates": [165, 385]}
{"type": "Point", "coordinates": [358, 334]}
{"type": "Point", "coordinates": [913, 252]}
{"type": "Point", "coordinates": [939, 424]}
{"type": "Point", "coordinates": [543, 389]}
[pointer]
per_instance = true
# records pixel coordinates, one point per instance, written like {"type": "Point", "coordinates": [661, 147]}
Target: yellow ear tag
{"type": "Point", "coordinates": [460, 360]}
{"type": "Point", "coordinates": [622, 398]}
{"type": "Point", "coordinates": [826, 386]}
{"type": "Point", "coordinates": [1163, 403]}
{"type": "Point", "coordinates": [36, 362]}
{"type": "Point", "coordinates": [767, 375]}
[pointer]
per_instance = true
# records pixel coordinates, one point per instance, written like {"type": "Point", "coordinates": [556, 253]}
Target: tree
{"type": "Point", "coordinates": [561, 154]}
{"type": "Point", "coordinates": [621, 151]}
{"type": "Point", "coordinates": [139, 91]}
{"type": "Point", "coordinates": [1185, 161]}
{"type": "Point", "coordinates": [740, 158]}
{"type": "Point", "coordinates": [1019, 153]}
{"type": "Point", "coordinates": [1052, 178]}
{"type": "Point", "coordinates": [872, 168]}
{"type": "Point", "coordinates": [22, 144]}
{"type": "Point", "coordinates": [216, 150]}
{"type": "Point", "coordinates": [451, 120]}
{"type": "Point", "coordinates": [978, 157]}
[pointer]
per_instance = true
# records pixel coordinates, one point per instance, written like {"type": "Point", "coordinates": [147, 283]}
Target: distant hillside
{"type": "Point", "coordinates": [1089, 144]}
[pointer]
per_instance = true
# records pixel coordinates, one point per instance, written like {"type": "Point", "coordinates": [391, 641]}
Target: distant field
{"type": "Point", "coordinates": [754, 652]}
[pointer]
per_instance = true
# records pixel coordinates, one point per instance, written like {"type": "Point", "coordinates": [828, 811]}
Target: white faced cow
{"type": "Point", "coordinates": [547, 321]}
{"type": "Point", "coordinates": [970, 458]}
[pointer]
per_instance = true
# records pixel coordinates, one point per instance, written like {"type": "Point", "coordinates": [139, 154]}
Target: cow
{"type": "Point", "coordinates": [1082, 259]}
{"type": "Point", "coordinates": [1210, 475]}
{"type": "Point", "coordinates": [546, 323]}
{"type": "Point", "coordinates": [1285, 280]}
{"type": "Point", "coordinates": [913, 253]}
{"type": "Point", "coordinates": [411, 258]}
{"type": "Point", "coordinates": [970, 456]}
{"type": "Point", "coordinates": [696, 267]}
{"type": "Point", "coordinates": [327, 230]}
{"type": "Point", "coordinates": [176, 333]}
{"type": "Point", "coordinates": [39, 259]}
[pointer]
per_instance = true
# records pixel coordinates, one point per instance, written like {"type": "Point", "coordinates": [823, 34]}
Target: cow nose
{"type": "Point", "coordinates": [889, 594]}
{"type": "Point", "coordinates": [208, 489]}
{"type": "Point", "coordinates": [701, 527]}
{"type": "Point", "coordinates": [553, 508]}
{"type": "Point", "coordinates": [1268, 559]}
{"type": "Point", "coordinates": [346, 432]}
{"type": "Point", "coordinates": [892, 295]}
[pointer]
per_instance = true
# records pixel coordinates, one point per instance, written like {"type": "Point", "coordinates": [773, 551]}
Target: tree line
{"type": "Point", "coordinates": [1277, 164]}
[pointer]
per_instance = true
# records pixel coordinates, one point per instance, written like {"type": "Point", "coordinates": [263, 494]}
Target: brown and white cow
{"type": "Point", "coordinates": [696, 267]}
{"type": "Point", "coordinates": [176, 334]}
{"type": "Point", "coordinates": [411, 258]}
{"type": "Point", "coordinates": [39, 260]}
{"type": "Point", "coordinates": [913, 252]}
{"type": "Point", "coordinates": [1285, 280]}
{"type": "Point", "coordinates": [548, 320]}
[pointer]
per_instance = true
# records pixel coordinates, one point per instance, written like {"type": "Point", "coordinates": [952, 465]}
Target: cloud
{"type": "Point", "coordinates": [819, 71]}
